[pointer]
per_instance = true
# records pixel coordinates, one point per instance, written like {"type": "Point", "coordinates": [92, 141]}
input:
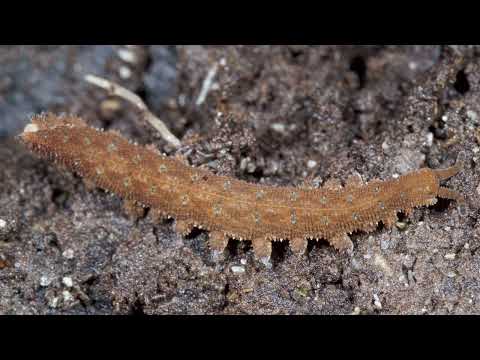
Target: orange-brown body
{"type": "Point", "coordinates": [225, 206]}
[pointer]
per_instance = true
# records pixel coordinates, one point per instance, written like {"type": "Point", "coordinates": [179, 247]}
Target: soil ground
{"type": "Point", "coordinates": [273, 114]}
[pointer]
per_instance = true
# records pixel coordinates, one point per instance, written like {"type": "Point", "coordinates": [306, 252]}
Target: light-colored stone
{"type": "Point", "coordinates": [237, 269]}
{"type": "Point", "coordinates": [53, 303]}
{"type": "Point", "coordinates": [124, 72]}
{"type": "Point", "coordinates": [376, 302]}
{"type": "Point", "coordinates": [472, 115]}
{"type": "Point", "coordinates": [278, 127]}
{"type": "Point", "coordinates": [67, 296]}
{"type": "Point", "coordinates": [68, 254]}
{"type": "Point", "coordinates": [311, 164]}
{"type": "Point", "coordinates": [429, 139]}
{"type": "Point", "coordinates": [127, 56]}
{"type": "Point", "coordinates": [45, 281]}
{"type": "Point", "coordinates": [67, 281]}
{"type": "Point", "coordinates": [450, 256]}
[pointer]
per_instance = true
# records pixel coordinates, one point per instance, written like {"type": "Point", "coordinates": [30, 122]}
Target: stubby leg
{"type": "Point", "coordinates": [298, 246]}
{"type": "Point", "coordinates": [183, 227]}
{"type": "Point", "coordinates": [262, 247]}
{"type": "Point", "coordinates": [342, 243]}
{"type": "Point", "coordinates": [217, 241]}
{"type": "Point", "coordinates": [445, 193]}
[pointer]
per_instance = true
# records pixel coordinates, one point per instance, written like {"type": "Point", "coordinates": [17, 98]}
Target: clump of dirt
{"type": "Point", "coordinates": [270, 114]}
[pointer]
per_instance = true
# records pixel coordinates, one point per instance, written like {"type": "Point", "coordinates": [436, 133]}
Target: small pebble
{"type": "Point", "coordinates": [311, 164]}
{"type": "Point", "coordinates": [472, 115]}
{"type": "Point", "coordinates": [68, 254]}
{"type": "Point", "coordinates": [182, 100]}
{"type": "Point", "coordinates": [53, 302]}
{"type": "Point", "coordinates": [376, 302]}
{"type": "Point", "coordinates": [237, 269]}
{"type": "Point", "coordinates": [67, 281]}
{"type": "Point", "coordinates": [243, 261]}
{"type": "Point", "coordinates": [429, 139]}
{"type": "Point", "coordinates": [127, 56]}
{"type": "Point", "coordinates": [67, 296]}
{"type": "Point", "coordinates": [45, 281]}
{"type": "Point", "coordinates": [278, 127]}
{"type": "Point", "coordinates": [451, 274]}
{"type": "Point", "coordinates": [3, 223]}
{"type": "Point", "coordinates": [125, 72]}
{"type": "Point", "coordinates": [450, 256]}
{"type": "Point", "coordinates": [356, 311]}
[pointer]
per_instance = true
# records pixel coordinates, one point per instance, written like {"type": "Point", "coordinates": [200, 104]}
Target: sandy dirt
{"type": "Point", "coordinates": [278, 115]}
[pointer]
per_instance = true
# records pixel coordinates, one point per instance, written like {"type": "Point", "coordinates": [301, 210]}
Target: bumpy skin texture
{"type": "Point", "coordinates": [225, 206]}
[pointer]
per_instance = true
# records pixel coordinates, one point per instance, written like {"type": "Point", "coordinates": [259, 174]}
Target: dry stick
{"type": "Point", "coordinates": [117, 90]}
{"type": "Point", "coordinates": [207, 84]}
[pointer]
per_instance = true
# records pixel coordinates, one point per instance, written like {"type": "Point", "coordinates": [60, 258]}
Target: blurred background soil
{"type": "Point", "coordinates": [279, 115]}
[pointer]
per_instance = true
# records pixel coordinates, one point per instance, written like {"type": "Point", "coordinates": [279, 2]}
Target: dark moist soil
{"type": "Point", "coordinates": [275, 115]}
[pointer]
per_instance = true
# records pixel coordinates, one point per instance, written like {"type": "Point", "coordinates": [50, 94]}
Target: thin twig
{"type": "Point", "coordinates": [207, 84]}
{"type": "Point", "coordinates": [117, 90]}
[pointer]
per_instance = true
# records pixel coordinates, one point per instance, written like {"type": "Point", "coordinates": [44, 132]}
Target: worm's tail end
{"type": "Point", "coordinates": [443, 174]}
